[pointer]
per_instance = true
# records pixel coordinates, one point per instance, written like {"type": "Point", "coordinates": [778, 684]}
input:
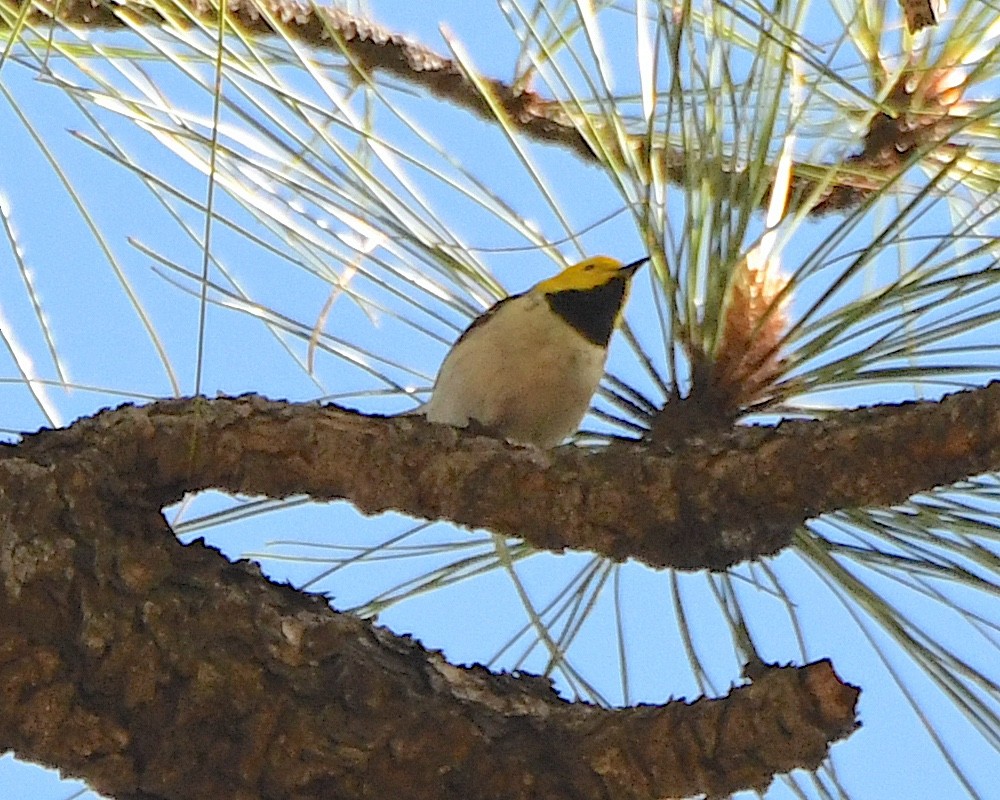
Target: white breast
{"type": "Point", "coordinates": [524, 372]}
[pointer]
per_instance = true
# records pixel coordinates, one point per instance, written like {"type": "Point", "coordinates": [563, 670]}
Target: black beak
{"type": "Point", "coordinates": [629, 269]}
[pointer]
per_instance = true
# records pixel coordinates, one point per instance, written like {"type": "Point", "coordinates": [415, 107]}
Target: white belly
{"type": "Point", "coordinates": [520, 375]}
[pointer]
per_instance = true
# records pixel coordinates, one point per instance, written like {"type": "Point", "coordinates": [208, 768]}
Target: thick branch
{"type": "Point", "coordinates": [709, 505]}
{"type": "Point", "coordinates": [154, 670]}
{"type": "Point", "coordinates": [373, 47]}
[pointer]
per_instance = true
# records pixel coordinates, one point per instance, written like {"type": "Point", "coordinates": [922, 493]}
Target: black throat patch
{"type": "Point", "coordinates": [592, 312]}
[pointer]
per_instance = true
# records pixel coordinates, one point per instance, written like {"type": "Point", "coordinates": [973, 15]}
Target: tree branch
{"type": "Point", "coordinates": [154, 670]}
{"type": "Point", "coordinates": [373, 47]}
{"type": "Point", "coordinates": [709, 504]}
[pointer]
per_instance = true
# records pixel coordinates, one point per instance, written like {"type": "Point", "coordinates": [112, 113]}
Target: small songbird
{"type": "Point", "coordinates": [527, 368]}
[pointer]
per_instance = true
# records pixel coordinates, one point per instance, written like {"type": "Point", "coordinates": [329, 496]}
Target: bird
{"type": "Point", "coordinates": [526, 369]}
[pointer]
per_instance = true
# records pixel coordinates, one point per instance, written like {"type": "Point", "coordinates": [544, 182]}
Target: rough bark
{"type": "Point", "coordinates": [709, 504]}
{"type": "Point", "coordinates": [155, 670]}
{"type": "Point", "coordinates": [159, 671]}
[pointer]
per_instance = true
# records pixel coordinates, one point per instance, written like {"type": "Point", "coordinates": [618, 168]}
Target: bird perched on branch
{"type": "Point", "coordinates": [527, 368]}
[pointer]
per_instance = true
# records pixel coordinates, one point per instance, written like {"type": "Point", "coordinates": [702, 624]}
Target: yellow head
{"type": "Point", "coordinates": [589, 274]}
{"type": "Point", "coordinates": [589, 296]}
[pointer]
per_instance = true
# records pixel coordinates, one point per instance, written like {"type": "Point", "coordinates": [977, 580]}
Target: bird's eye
{"type": "Point", "coordinates": [588, 268]}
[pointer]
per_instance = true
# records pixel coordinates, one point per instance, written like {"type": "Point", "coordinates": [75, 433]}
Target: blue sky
{"type": "Point", "coordinates": [644, 631]}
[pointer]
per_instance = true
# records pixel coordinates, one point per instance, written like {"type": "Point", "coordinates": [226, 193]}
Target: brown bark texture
{"type": "Point", "coordinates": [709, 504]}
{"type": "Point", "coordinates": [156, 670]}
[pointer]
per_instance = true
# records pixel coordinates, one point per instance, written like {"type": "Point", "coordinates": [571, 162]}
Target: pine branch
{"type": "Point", "coordinates": [155, 670]}
{"type": "Point", "coordinates": [373, 47]}
{"type": "Point", "coordinates": [707, 505]}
